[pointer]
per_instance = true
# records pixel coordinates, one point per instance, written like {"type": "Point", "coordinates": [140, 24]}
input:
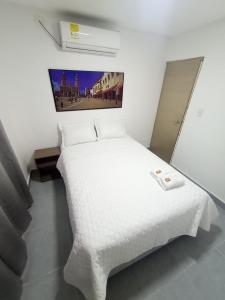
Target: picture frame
{"type": "Point", "coordinates": [84, 90]}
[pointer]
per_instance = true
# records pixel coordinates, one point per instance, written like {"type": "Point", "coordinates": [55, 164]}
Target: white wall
{"type": "Point", "coordinates": [27, 106]}
{"type": "Point", "coordinates": [200, 151]}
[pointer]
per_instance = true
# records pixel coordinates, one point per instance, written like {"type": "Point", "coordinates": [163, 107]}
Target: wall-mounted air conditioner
{"type": "Point", "coordinates": [87, 39]}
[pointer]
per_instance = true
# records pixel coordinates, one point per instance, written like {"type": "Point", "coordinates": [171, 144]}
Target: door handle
{"type": "Point", "coordinates": [177, 122]}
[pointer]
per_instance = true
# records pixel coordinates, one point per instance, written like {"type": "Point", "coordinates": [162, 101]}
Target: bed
{"type": "Point", "coordinates": [118, 212]}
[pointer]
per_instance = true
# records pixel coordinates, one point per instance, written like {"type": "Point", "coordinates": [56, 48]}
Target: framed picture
{"type": "Point", "coordinates": [79, 90]}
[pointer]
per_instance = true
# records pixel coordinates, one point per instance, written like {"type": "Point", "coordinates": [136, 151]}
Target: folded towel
{"type": "Point", "coordinates": [159, 172]}
{"type": "Point", "coordinates": [167, 179]}
{"type": "Point", "coordinates": [170, 181]}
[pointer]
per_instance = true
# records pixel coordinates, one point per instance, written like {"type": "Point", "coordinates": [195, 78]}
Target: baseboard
{"type": "Point", "coordinates": [218, 201]}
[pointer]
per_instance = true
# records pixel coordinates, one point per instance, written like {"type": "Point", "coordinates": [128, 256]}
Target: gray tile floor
{"type": "Point", "coordinates": [186, 269]}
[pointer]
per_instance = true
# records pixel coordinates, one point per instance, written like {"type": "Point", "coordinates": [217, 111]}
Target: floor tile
{"type": "Point", "coordinates": [221, 249]}
{"type": "Point", "coordinates": [208, 276]}
{"type": "Point", "coordinates": [51, 287]}
{"type": "Point", "coordinates": [188, 250]}
{"type": "Point", "coordinates": [181, 289]}
{"type": "Point", "coordinates": [47, 249]}
{"type": "Point", "coordinates": [145, 277]}
{"type": "Point", "coordinates": [180, 250]}
{"type": "Point", "coordinates": [186, 269]}
{"type": "Point", "coordinates": [49, 190]}
{"type": "Point", "coordinates": [48, 211]}
{"type": "Point", "coordinates": [158, 295]}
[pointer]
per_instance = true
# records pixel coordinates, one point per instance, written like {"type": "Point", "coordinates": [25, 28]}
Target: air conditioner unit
{"type": "Point", "coordinates": [87, 39]}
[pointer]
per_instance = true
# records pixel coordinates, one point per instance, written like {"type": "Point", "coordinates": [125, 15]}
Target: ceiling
{"type": "Point", "coordinates": [166, 17]}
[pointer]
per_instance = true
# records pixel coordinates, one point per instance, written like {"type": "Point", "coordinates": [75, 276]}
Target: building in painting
{"type": "Point", "coordinates": [109, 86]}
{"type": "Point", "coordinates": [88, 92]}
{"type": "Point", "coordinates": [69, 90]}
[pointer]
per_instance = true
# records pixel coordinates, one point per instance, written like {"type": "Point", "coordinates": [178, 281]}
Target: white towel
{"type": "Point", "coordinates": [170, 181]}
{"type": "Point", "coordinates": [167, 179]}
{"type": "Point", "coordinates": [159, 172]}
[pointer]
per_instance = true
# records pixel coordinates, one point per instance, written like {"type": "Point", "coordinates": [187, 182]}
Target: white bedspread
{"type": "Point", "coordinates": [118, 211]}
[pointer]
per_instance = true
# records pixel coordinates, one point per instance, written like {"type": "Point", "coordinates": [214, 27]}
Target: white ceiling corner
{"type": "Point", "coordinates": [166, 17]}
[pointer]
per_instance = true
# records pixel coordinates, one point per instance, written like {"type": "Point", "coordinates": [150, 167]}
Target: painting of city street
{"type": "Point", "coordinates": [78, 90]}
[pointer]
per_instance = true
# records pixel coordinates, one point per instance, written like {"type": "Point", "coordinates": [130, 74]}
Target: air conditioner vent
{"type": "Point", "coordinates": [87, 39]}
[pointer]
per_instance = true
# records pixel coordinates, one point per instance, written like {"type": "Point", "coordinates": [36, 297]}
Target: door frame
{"type": "Point", "coordinates": [189, 101]}
{"type": "Point", "coordinates": [190, 96]}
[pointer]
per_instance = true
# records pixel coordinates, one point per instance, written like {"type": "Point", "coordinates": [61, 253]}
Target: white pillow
{"type": "Point", "coordinates": [110, 129]}
{"type": "Point", "coordinates": [77, 133]}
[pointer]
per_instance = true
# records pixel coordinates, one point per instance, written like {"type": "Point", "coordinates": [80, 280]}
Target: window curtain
{"type": "Point", "coordinates": [11, 165]}
{"type": "Point", "coordinates": [15, 198]}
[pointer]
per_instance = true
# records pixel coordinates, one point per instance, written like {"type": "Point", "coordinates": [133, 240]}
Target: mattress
{"type": "Point", "coordinates": [118, 211]}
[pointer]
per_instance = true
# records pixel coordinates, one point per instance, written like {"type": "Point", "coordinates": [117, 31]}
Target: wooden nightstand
{"type": "Point", "coordinates": [46, 160]}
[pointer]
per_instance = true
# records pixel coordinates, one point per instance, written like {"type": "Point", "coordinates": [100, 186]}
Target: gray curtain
{"type": "Point", "coordinates": [12, 203]}
{"type": "Point", "coordinates": [15, 198]}
{"type": "Point", "coordinates": [10, 283]}
{"type": "Point", "coordinates": [15, 254]}
{"type": "Point", "coordinates": [11, 165]}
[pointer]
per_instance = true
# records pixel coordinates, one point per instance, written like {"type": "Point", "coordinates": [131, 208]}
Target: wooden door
{"type": "Point", "coordinates": [178, 85]}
